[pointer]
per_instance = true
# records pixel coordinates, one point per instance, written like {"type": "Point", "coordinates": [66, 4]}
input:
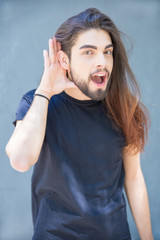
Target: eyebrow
{"type": "Point", "coordinates": [94, 47]}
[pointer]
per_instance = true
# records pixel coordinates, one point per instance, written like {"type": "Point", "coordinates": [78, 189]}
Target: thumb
{"type": "Point", "coordinates": [70, 84]}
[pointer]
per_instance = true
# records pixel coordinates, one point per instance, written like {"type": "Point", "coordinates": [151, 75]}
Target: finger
{"type": "Point", "coordinates": [55, 49]}
{"type": "Point", "coordinates": [46, 59]}
{"type": "Point", "coordinates": [58, 46]}
{"type": "Point", "coordinates": [51, 51]}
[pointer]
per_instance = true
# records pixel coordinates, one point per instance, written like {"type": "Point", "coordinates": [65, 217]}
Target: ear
{"type": "Point", "coordinates": [63, 59]}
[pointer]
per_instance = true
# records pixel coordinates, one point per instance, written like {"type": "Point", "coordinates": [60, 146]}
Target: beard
{"type": "Point", "coordinates": [83, 86]}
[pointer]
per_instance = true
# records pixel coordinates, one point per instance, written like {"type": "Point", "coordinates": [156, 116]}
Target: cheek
{"type": "Point", "coordinates": [81, 69]}
{"type": "Point", "coordinates": [110, 64]}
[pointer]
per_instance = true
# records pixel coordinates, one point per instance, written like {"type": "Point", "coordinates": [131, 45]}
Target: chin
{"type": "Point", "coordinates": [97, 96]}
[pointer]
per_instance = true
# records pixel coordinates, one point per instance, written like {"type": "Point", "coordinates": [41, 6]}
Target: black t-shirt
{"type": "Point", "coordinates": [77, 183]}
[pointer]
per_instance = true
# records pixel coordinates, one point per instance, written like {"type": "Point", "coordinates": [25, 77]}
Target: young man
{"type": "Point", "coordinates": [84, 129]}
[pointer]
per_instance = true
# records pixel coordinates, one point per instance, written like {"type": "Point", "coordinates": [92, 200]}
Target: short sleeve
{"type": "Point", "coordinates": [24, 106]}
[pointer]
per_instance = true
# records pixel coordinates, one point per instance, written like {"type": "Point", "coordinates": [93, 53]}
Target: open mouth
{"type": "Point", "coordinates": [99, 79]}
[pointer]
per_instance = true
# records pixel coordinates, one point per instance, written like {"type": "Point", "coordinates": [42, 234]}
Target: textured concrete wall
{"type": "Point", "coordinates": [25, 27]}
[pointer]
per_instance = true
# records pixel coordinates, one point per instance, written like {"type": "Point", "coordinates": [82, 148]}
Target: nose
{"type": "Point", "coordinates": [100, 61]}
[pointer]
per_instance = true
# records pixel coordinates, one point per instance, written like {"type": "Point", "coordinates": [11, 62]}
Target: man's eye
{"type": "Point", "coordinates": [88, 52]}
{"type": "Point", "coordinates": [108, 52]}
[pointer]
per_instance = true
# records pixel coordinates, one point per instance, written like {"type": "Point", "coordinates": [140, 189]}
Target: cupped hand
{"type": "Point", "coordinates": [54, 79]}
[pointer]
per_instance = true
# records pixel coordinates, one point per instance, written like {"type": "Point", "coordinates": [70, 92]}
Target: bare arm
{"type": "Point", "coordinates": [26, 141]}
{"type": "Point", "coordinates": [25, 144]}
{"type": "Point", "coordinates": [136, 192]}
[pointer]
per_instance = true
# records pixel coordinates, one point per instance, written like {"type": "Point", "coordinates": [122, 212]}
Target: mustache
{"type": "Point", "coordinates": [70, 78]}
{"type": "Point", "coordinates": [101, 70]}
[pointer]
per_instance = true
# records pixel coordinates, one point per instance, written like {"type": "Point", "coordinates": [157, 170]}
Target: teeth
{"type": "Point", "coordinates": [99, 74]}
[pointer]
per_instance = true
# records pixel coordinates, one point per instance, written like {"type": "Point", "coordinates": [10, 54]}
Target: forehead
{"type": "Point", "coordinates": [96, 37]}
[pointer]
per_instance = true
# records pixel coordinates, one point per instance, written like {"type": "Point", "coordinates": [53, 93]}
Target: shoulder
{"type": "Point", "coordinates": [28, 96]}
{"type": "Point", "coordinates": [24, 105]}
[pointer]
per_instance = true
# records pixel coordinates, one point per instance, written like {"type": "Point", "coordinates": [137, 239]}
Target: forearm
{"type": "Point", "coordinates": [25, 144]}
{"type": "Point", "coordinates": [138, 200]}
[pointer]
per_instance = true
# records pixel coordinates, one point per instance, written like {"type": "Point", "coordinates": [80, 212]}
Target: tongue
{"type": "Point", "coordinates": [97, 79]}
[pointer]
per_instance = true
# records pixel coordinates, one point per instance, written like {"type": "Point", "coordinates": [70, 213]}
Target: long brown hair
{"type": "Point", "coordinates": [122, 99]}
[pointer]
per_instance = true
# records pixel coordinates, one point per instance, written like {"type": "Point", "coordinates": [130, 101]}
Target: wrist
{"type": "Point", "coordinates": [44, 93]}
{"type": "Point", "coordinates": [42, 96]}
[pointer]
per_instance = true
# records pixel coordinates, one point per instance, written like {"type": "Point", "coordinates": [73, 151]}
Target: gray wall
{"type": "Point", "coordinates": [25, 27]}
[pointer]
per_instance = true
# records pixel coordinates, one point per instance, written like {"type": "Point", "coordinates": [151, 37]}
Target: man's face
{"type": "Point", "coordinates": [91, 63]}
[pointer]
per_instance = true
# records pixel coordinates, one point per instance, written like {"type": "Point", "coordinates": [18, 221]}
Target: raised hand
{"type": "Point", "coordinates": [54, 78]}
